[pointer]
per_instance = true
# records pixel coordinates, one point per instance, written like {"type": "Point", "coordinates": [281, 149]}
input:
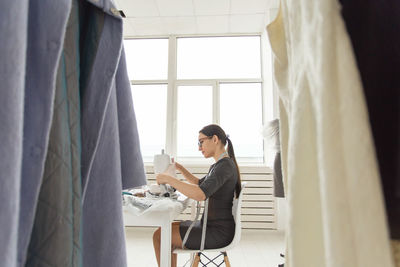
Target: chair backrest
{"type": "Point", "coordinates": [236, 211]}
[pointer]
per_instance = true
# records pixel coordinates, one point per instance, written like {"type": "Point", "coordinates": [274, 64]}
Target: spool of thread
{"type": "Point", "coordinates": [155, 189]}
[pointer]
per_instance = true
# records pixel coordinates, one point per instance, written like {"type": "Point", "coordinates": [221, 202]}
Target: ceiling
{"type": "Point", "coordinates": [195, 17]}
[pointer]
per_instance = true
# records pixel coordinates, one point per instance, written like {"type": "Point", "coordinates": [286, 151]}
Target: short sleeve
{"type": "Point", "coordinates": [202, 179]}
{"type": "Point", "coordinates": [215, 179]}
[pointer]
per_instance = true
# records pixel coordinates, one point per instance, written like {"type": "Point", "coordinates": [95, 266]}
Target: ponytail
{"type": "Point", "coordinates": [231, 154]}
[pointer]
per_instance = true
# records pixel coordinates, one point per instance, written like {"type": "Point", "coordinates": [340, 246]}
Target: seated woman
{"type": "Point", "coordinates": [219, 185]}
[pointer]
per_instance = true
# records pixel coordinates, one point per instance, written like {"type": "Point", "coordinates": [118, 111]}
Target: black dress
{"type": "Point", "coordinates": [219, 186]}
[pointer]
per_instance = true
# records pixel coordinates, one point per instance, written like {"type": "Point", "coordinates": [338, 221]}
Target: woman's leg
{"type": "Point", "coordinates": [156, 244]}
{"type": "Point", "coordinates": [176, 242]}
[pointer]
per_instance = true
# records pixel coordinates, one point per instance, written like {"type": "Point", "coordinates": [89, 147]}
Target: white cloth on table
{"type": "Point", "coordinates": [157, 204]}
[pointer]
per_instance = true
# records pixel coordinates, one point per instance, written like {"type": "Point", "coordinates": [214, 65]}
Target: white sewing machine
{"type": "Point", "coordinates": [163, 164]}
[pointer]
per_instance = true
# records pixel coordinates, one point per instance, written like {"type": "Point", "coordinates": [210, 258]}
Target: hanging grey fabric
{"type": "Point", "coordinates": [271, 134]}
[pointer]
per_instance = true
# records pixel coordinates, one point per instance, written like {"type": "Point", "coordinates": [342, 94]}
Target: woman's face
{"type": "Point", "coordinates": [206, 145]}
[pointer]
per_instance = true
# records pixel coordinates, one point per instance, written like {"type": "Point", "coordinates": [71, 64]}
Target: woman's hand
{"type": "Point", "coordinates": [162, 178]}
{"type": "Point", "coordinates": [178, 166]}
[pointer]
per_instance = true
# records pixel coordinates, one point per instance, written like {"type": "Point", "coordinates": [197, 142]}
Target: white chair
{"type": "Point", "coordinates": [196, 253]}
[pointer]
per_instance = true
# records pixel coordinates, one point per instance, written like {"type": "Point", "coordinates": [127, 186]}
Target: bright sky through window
{"type": "Point", "coordinates": [219, 57]}
{"type": "Point", "coordinates": [241, 115]}
{"type": "Point", "coordinates": [150, 103]}
{"type": "Point", "coordinates": [194, 112]}
{"type": "Point", "coordinates": [147, 59]}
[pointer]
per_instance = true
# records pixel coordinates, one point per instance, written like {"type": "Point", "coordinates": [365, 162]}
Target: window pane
{"type": "Point", "coordinates": [241, 118]}
{"type": "Point", "coordinates": [150, 103]}
{"type": "Point", "coordinates": [219, 57]}
{"type": "Point", "coordinates": [147, 59]}
{"type": "Point", "coordinates": [194, 112]}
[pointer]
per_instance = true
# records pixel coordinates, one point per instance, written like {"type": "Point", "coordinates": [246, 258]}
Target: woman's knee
{"type": "Point", "coordinates": [176, 236]}
{"type": "Point", "coordinates": [157, 235]}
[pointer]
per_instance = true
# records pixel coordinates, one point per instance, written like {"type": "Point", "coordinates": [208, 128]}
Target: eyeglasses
{"type": "Point", "coordinates": [201, 140]}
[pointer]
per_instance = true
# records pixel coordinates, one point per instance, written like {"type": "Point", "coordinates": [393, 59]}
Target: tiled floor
{"type": "Point", "coordinates": [257, 248]}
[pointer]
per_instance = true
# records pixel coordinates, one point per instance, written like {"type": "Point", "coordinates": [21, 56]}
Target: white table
{"type": "Point", "coordinates": [161, 218]}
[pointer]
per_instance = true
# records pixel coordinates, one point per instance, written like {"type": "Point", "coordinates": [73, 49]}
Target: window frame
{"type": "Point", "coordinates": [172, 90]}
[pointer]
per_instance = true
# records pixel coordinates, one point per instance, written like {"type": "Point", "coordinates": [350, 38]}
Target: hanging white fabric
{"type": "Point", "coordinates": [336, 212]}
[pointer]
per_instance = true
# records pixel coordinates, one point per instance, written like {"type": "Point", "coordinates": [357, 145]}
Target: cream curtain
{"type": "Point", "coordinates": [336, 212]}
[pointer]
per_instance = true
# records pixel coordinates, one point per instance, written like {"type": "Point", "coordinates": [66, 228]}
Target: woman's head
{"type": "Point", "coordinates": [212, 140]}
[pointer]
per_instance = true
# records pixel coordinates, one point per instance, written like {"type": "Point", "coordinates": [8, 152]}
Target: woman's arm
{"type": "Point", "coordinates": [190, 190]}
{"type": "Point", "coordinates": [189, 177]}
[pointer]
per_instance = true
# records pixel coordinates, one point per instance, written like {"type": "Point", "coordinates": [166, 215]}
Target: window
{"type": "Point", "coordinates": [147, 59]}
{"type": "Point", "coordinates": [203, 80]}
{"type": "Point", "coordinates": [150, 103]}
{"type": "Point", "coordinates": [147, 62]}
{"type": "Point", "coordinates": [219, 57]}
{"type": "Point", "coordinates": [241, 113]}
{"type": "Point", "coordinates": [194, 112]}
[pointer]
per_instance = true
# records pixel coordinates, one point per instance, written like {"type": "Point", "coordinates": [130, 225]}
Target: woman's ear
{"type": "Point", "coordinates": [216, 139]}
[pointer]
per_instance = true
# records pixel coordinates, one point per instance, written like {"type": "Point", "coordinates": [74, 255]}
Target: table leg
{"type": "Point", "coordinates": [165, 257]}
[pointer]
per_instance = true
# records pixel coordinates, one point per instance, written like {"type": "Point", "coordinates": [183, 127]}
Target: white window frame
{"type": "Point", "coordinates": [173, 83]}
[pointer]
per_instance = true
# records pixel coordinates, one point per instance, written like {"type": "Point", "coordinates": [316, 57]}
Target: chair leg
{"type": "Point", "coordinates": [196, 260]}
{"type": "Point", "coordinates": [226, 260]}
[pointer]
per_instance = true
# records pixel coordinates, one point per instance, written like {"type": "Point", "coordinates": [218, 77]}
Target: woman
{"type": "Point", "coordinates": [220, 185]}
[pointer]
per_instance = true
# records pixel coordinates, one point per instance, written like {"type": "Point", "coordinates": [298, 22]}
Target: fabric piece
{"type": "Point", "coordinates": [272, 137]}
{"type": "Point", "coordinates": [44, 44]}
{"type": "Point", "coordinates": [283, 130]}
{"type": "Point", "coordinates": [103, 232]}
{"type": "Point", "coordinates": [277, 174]}
{"type": "Point", "coordinates": [132, 166]}
{"type": "Point", "coordinates": [132, 204]}
{"type": "Point", "coordinates": [396, 251]}
{"type": "Point", "coordinates": [326, 142]}
{"type": "Point", "coordinates": [55, 238]}
{"type": "Point", "coordinates": [32, 52]}
{"type": "Point", "coordinates": [270, 133]}
{"type": "Point", "coordinates": [374, 29]}
{"type": "Point", "coordinates": [105, 100]}
{"type": "Point", "coordinates": [13, 29]}
{"type": "Point", "coordinates": [91, 23]}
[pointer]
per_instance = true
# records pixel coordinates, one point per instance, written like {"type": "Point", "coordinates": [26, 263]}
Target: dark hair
{"type": "Point", "coordinates": [214, 129]}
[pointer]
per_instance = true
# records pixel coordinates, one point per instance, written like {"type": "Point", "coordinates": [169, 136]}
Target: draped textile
{"type": "Point", "coordinates": [13, 28]}
{"type": "Point", "coordinates": [336, 212]}
{"type": "Point", "coordinates": [111, 158]}
{"type": "Point", "coordinates": [69, 141]}
{"type": "Point", "coordinates": [45, 39]}
{"type": "Point", "coordinates": [374, 28]}
{"type": "Point", "coordinates": [56, 235]}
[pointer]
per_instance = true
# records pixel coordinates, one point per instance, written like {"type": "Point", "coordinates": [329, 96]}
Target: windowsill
{"type": "Point", "coordinates": [195, 164]}
{"type": "Point", "coordinates": [244, 167]}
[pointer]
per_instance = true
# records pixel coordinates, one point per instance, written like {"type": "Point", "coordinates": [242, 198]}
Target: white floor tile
{"type": "Point", "coordinates": [257, 248]}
